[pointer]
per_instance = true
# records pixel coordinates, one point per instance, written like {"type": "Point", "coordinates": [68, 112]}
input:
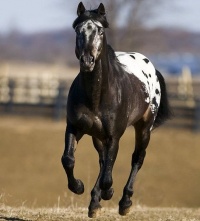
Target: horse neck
{"type": "Point", "coordinates": [97, 81]}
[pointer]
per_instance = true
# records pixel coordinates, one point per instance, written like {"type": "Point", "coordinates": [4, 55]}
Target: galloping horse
{"type": "Point", "coordinates": [113, 90]}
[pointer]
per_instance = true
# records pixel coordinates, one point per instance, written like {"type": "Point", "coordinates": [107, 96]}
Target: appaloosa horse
{"type": "Point", "coordinates": [113, 90]}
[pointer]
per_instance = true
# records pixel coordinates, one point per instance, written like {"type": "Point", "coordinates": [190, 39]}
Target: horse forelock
{"type": "Point", "coordinates": [91, 15]}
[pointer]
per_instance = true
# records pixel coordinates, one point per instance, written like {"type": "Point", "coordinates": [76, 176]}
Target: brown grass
{"type": "Point", "coordinates": [31, 173]}
{"type": "Point", "coordinates": [80, 214]}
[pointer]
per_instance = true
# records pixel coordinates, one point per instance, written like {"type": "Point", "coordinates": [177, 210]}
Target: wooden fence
{"type": "Point", "coordinates": [27, 96]}
{"type": "Point", "coordinates": [184, 96]}
{"type": "Point", "coordinates": [48, 97]}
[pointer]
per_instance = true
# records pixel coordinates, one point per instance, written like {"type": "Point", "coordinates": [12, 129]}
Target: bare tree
{"type": "Point", "coordinates": [128, 20]}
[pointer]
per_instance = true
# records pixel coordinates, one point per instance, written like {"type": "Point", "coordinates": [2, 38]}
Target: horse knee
{"type": "Point", "coordinates": [67, 162]}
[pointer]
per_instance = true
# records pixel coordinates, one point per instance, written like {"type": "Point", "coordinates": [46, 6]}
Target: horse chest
{"type": "Point", "coordinates": [85, 120]}
{"type": "Point", "coordinates": [99, 124]}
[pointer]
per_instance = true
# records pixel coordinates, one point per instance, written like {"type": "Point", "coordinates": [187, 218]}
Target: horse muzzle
{"type": "Point", "coordinates": [87, 63]}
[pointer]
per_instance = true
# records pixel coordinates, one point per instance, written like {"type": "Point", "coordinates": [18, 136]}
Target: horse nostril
{"type": "Point", "coordinates": [87, 60]}
{"type": "Point", "coordinates": [91, 59]}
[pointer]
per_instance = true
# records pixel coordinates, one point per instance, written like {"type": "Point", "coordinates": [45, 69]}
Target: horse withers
{"type": "Point", "coordinates": [112, 91]}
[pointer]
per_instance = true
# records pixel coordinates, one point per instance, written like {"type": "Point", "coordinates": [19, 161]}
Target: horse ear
{"type": "Point", "coordinates": [101, 9]}
{"type": "Point", "coordinates": [80, 9]}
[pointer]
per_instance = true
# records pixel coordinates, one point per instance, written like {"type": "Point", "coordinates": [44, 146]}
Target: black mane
{"type": "Point", "coordinates": [92, 15]}
{"type": "Point", "coordinates": [111, 52]}
{"type": "Point", "coordinates": [114, 58]}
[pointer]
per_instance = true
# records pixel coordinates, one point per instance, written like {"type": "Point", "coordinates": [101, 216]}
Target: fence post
{"type": "Point", "coordinates": [59, 102]}
{"type": "Point", "coordinates": [9, 106]}
{"type": "Point", "coordinates": [197, 117]}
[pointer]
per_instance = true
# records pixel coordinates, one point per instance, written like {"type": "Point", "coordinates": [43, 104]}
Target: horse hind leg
{"type": "Point", "coordinates": [142, 141]}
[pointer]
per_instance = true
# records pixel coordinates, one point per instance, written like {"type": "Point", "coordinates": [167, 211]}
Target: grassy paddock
{"type": "Point", "coordinates": [31, 173]}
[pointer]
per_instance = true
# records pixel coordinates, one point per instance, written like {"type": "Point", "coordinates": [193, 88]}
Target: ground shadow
{"type": "Point", "coordinates": [12, 218]}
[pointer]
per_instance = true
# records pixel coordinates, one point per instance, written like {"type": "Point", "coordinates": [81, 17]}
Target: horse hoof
{"type": "Point", "coordinates": [124, 208]}
{"type": "Point", "coordinates": [77, 187]}
{"type": "Point", "coordinates": [94, 213]}
{"type": "Point", "coordinates": [107, 194]}
{"type": "Point", "coordinates": [124, 211]}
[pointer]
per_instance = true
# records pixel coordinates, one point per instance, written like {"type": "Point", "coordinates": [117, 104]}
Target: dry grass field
{"type": "Point", "coordinates": [31, 174]}
{"type": "Point", "coordinates": [80, 214]}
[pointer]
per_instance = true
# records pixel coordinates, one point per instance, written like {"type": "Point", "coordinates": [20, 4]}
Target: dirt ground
{"type": "Point", "coordinates": [31, 173]}
{"type": "Point", "coordinates": [80, 214]}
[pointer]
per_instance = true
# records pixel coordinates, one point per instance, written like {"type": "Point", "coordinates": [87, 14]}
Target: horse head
{"type": "Point", "coordinates": [90, 34]}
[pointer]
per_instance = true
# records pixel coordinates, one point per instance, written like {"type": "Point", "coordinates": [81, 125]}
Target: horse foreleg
{"type": "Point", "coordinates": [111, 150]}
{"type": "Point", "coordinates": [142, 140]}
{"type": "Point", "coordinates": [97, 194]}
{"type": "Point", "coordinates": [95, 206]}
{"type": "Point", "coordinates": [68, 161]}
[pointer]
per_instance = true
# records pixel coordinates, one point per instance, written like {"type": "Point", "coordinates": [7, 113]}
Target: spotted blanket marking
{"type": "Point", "coordinates": [143, 69]}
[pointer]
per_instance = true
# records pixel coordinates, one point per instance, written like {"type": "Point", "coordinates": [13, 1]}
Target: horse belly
{"type": "Point", "coordinates": [139, 108]}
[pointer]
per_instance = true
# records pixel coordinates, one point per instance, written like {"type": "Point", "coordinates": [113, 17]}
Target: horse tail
{"type": "Point", "coordinates": [164, 110]}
